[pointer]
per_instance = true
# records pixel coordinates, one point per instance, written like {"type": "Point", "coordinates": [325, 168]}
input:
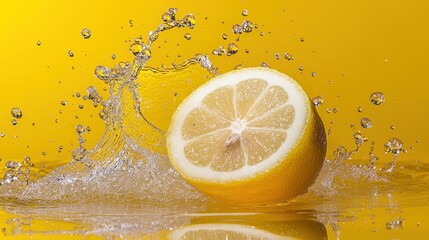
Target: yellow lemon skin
{"type": "Point", "coordinates": [290, 178]}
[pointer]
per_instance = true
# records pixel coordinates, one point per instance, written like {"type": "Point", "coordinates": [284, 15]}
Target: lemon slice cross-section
{"type": "Point", "coordinates": [250, 136]}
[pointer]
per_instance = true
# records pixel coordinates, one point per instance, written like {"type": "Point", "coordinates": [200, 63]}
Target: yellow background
{"type": "Point", "coordinates": [355, 48]}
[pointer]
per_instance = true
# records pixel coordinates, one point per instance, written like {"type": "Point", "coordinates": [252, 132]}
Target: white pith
{"type": "Point", "coordinates": [296, 97]}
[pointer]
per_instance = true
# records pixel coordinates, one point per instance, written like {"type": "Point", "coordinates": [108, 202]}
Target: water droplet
{"type": "Point", "coordinates": [80, 129]}
{"type": "Point", "coordinates": [86, 33]}
{"type": "Point", "coordinates": [395, 224]}
{"type": "Point", "coordinates": [189, 21]}
{"type": "Point", "coordinates": [245, 12]}
{"type": "Point", "coordinates": [188, 36]}
{"type": "Point", "coordinates": [377, 98]}
{"type": "Point", "coordinates": [113, 56]}
{"type": "Point", "coordinates": [289, 57]}
{"type": "Point", "coordinates": [247, 26]}
{"type": "Point", "coordinates": [70, 53]}
{"type": "Point", "coordinates": [394, 146]}
{"type": "Point", "coordinates": [392, 127]}
{"type": "Point", "coordinates": [359, 109]}
{"type": "Point", "coordinates": [60, 148]}
{"type": "Point", "coordinates": [27, 161]}
{"type": "Point", "coordinates": [232, 48]}
{"type": "Point", "coordinates": [44, 153]}
{"type": "Point", "coordinates": [102, 73]}
{"type": "Point", "coordinates": [38, 43]}
{"type": "Point", "coordinates": [64, 102]}
{"type": "Point", "coordinates": [12, 165]}
{"type": "Point", "coordinates": [301, 68]}
{"type": "Point", "coordinates": [264, 64]}
{"type": "Point", "coordinates": [136, 48]}
{"type": "Point", "coordinates": [261, 34]}
{"type": "Point", "coordinates": [277, 56]}
{"type": "Point", "coordinates": [169, 15]}
{"type": "Point", "coordinates": [153, 36]}
{"type": "Point", "coordinates": [80, 106]}
{"type": "Point", "coordinates": [313, 74]}
{"type": "Point", "coordinates": [302, 39]}
{"type": "Point", "coordinates": [2, 134]}
{"type": "Point", "coordinates": [334, 110]}
{"type": "Point", "coordinates": [131, 22]}
{"type": "Point", "coordinates": [366, 123]}
{"type": "Point", "coordinates": [237, 29]}
{"type": "Point", "coordinates": [16, 112]}
{"type": "Point", "coordinates": [224, 36]}
{"type": "Point", "coordinates": [317, 101]}
{"type": "Point", "coordinates": [359, 138]}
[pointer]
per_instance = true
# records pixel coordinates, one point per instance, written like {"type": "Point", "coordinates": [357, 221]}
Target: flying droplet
{"type": "Point", "coordinates": [102, 73]}
{"type": "Point", "coordinates": [395, 224]}
{"type": "Point", "coordinates": [189, 21]}
{"type": "Point", "coordinates": [80, 129]}
{"type": "Point", "coordinates": [377, 98]}
{"type": "Point", "coordinates": [70, 53]}
{"type": "Point", "coordinates": [2, 134]}
{"type": "Point", "coordinates": [38, 43]}
{"type": "Point", "coordinates": [188, 36]}
{"type": "Point", "coordinates": [394, 146]}
{"type": "Point", "coordinates": [359, 109]}
{"type": "Point", "coordinates": [16, 112]}
{"type": "Point", "coordinates": [232, 48]}
{"type": "Point", "coordinates": [366, 123]}
{"type": "Point", "coordinates": [264, 64]}
{"type": "Point", "coordinates": [359, 138]}
{"type": "Point", "coordinates": [136, 48]}
{"type": "Point", "coordinates": [247, 26]}
{"type": "Point", "coordinates": [245, 12]}
{"type": "Point", "coordinates": [153, 36]}
{"type": "Point", "coordinates": [237, 29]}
{"type": "Point", "coordinates": [60, 148]}
{"type": "Point", "coordinates": [313, 74]}
{"type": "Point", "coordinates": [86, 33]}
{"type": "Point", "coordinates": [14, 122]}
{"type": "Point", "coordinates": [113, 56]}
{"type": "Point", "coordinates": [317, 101]}
{"type": "Point", "coordinates": [64, 102]}
{"type": "Point", "coordinates": [289, 57]}
{"type": "Point", "coordinates": [277, 56]}
{"type": "Point", "coordinates": [224, 36]}
{"type": "Point", "coordinates": [301, 68]}
{"type": "Point", "coordinates": [392, 127]}
{"type": "Point", "coordinates": [302, 39]}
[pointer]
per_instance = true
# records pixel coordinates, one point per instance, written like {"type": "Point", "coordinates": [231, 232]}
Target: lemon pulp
{"type": "Point", "coordinates": [250, 136]}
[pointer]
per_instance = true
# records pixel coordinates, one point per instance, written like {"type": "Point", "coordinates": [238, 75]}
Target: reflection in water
{"type": "Point", "coordinates": [136, 221]}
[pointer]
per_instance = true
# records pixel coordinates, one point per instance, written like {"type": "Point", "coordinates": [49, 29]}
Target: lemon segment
{"type": "Point", "coordinates": [249, 136]}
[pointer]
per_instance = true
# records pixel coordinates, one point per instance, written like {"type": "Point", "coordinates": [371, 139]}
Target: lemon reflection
{"type": "Point", "coordinates": [300, 229]}
{"type": "Point", "coordinates": [135, 221]}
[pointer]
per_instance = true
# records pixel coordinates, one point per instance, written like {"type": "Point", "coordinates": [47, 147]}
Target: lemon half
{"type": "Point", "coordinates": [250, 136]}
